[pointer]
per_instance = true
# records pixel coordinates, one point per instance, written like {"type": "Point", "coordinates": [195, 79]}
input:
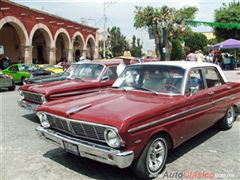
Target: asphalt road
{"type": "Point", "coordinates": [24, 156]}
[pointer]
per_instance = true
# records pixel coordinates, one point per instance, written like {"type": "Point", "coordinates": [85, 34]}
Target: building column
{"type": "Point", "coordinates": [26, 52]}
{"type": "Point", "coordinates": [51, 54]}
{"type": "Point", "coordinates": [96, 53]}
{"type": "Point", "coordinates": [69, 53]}
{"type": "Point", "coordinates": [84, 53]}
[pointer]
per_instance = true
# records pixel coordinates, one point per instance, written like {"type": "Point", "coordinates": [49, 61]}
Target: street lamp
{"type": "Point", "coordinates": [163, 25]}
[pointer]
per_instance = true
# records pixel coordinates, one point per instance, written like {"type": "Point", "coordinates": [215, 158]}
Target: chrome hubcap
{"type": "Point", "coordinates": [230, 115]}
{"type": "Point", "coordinates": [156, 155]}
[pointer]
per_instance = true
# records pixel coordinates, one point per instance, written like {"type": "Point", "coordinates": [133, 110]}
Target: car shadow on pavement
{"type": "Point", "coordinates": [97, 170]}
{"type": "Point", "coordinates": [87, 167]}
{"type": "Point", "coordinates": [32, 117]}
{"type": "Point", "coordinates": [192, 143]}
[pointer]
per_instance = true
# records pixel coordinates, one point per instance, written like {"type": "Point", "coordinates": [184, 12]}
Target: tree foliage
{"type": "Point", "coordinates": [177, 52]}
{"type": "Point", "coordinates": [162, 20]}
{"type": "Point", "coordinates": [118, 42]}
{"type": "Point", "coordinates": [136, 47]}
{"type": "Point", "coordinates": [228, 13]}
{"type": "Point", "coordinates": [195, 41]}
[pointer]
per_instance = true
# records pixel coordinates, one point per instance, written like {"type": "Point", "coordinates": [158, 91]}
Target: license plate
{"type": "Point", "coordinates": [72, 148]}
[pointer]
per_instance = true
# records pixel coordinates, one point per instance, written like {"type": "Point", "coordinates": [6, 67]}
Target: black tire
{"type": "Point", "coordinates": [12, 88]}
{"type": "Point", "coordinates": [142, 167]}
{"type": "Point", "coordinates": [227, 121]}
{"type": "Point", "coordinates": [23, 80]}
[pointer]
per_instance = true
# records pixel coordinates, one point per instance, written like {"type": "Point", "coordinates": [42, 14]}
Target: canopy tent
{"type": "Point", "coordinates": [227, 44]}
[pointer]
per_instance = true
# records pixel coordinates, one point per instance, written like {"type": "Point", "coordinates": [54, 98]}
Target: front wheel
{"type": "Point", "coordinates": [153, 158]}
{"type": "Point", "coordinates": [227, 121]}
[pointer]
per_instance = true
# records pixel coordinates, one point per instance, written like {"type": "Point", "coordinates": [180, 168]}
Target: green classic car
{"type": "Point", "coordinates": [20, 72]}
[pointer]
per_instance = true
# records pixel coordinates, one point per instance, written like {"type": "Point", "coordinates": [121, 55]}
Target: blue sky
{"type": "Point", "coordinates": [120, 13]}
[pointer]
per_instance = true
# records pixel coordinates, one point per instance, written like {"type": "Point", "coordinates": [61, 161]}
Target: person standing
{"type": "Point", "coordinates": [126, 58]}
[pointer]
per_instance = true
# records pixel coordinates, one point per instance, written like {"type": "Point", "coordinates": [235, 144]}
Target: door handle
{"type": "Point", "coordinates": [211, 93]}
{"type": "Point", "coordinates": [229, 87]}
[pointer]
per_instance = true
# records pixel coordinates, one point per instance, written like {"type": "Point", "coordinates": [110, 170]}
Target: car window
{"type": "Point", "coordinates": [88, 71]}
{"type": "Point", "coordinates": [112, 72]}
{"type": "Point", "coordinates": [14, 68]}
{"type": "Point", "coordinates": [159, 78]}
{"type": "Point", "coordinates": [213, 78]}
{"type": "Point", "coordinates": [195, 80]}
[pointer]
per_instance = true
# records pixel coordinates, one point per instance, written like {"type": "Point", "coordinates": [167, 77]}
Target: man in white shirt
{"type": "Point", "coordinates": [126, 58]}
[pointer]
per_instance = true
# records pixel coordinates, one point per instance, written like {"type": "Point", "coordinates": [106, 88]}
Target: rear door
{"type": "Point", "coordinates": [219, 91]}
{"type": "Point", "coordinates": [198, 104]}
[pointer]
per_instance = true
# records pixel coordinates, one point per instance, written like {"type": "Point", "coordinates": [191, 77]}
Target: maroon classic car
{"type": "Point", "coordinates": [88, 77]}
{"type": "Point", "coordinates": [151, 108]}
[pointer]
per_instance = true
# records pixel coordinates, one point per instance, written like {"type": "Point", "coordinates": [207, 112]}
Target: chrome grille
{"type": "Point", "coordinates": [32, 97]}
{"type": "Point", "coordinates": [77, 128]}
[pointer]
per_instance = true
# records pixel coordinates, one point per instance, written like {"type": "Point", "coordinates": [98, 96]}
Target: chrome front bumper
{"type": "Point", "coordinates": [89, 150]}
{"type": "Point", "coordinates": [28, 106]}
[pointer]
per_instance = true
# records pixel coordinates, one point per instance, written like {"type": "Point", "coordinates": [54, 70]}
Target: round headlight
{"type": "Point", "coordinates": [43, 119]}
{"type": "Point", "coordinates": [21, 94]}
{"type": "Point", "coordinates": [112, 138]}
{"type": "Point", "coordinates": [44, 100]}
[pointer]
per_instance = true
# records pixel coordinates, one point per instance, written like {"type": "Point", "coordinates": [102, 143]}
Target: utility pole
{"type": "Point", "coordinates": [105, 6]}
{"type": "Point", "coordinates": [104, 29]}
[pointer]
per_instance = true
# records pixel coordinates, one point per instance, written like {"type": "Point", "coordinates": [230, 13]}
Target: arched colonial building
{"type": "Point", "coordinates": [35, 36]}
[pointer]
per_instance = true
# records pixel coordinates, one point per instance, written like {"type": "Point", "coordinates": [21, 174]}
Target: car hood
{"type": "Point", "coordinates": [58, 86]}
{"type": "Point", "coordinates": [112, 107]}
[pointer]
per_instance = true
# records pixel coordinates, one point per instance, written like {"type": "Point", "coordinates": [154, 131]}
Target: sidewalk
{"type": "Point", "coordinates": [233, 75]}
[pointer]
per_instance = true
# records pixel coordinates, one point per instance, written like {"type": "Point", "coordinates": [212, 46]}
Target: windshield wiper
{"type": "Point", "coordinates": [78, 78]}
{"type": "Point", "coordinates": [146, 89]}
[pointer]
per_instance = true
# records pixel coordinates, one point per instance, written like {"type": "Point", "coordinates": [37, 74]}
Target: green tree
{"type": "Point", "coordinates": [228, 13]}
{"type": "Point", "coordinates": [177, 50]}
{"type": "Point", "coordinates": [136, 48]}
{"type": "Point", "coordinates": [160, 23]}
{"type": "Point", "coordinates": [195, 41]}
{"type": "Point", "coordinates": [118, 42]}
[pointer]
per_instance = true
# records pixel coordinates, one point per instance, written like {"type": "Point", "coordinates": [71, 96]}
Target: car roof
{"type": "Point", "coordinates": [186, 65]}
{"type": "Point", "coordinates": [104, 62]}
{"type": "Point", "coordinates": [183, 64]}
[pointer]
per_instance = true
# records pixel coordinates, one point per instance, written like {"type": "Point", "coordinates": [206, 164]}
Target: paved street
{"type": "Point", "coordinates": [24, 156]}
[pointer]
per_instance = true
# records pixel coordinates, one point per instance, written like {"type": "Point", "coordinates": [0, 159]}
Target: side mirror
{"type": "Point", "coordinates": [193, 90]}
{"type": "Point", "coordinates": [105, 78]}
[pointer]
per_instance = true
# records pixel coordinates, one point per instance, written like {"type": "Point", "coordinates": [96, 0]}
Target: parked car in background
{"type": "Point", "coordinates": [6, 82]}
{"type": "Point", "coordinates": [55, 77]}
{"type": "Point", "coordinates": [52, 68]}
{"type": "Point", "coordinates": [20, 72]}
{"type": "Point", "coordinates": [87, 78]}
{"type": "Point", "coordinates": [152, 107]}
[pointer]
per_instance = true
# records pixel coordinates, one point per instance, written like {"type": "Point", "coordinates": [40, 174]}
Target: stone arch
{"type": "Point", "coordinates": [90, 46]}
{"type": "Point", "coordinates": [18, 25]}
{"type": "Point", "coordinates": [42, 42]}
{"type": "Point", "coordinates": [78, 45]}
{"type": "Point", "coordinates": [62, 43]}
{"type": "Point", "coordinates": [46, 32]}
{"type": "Point", "coordinates": [14, 38]}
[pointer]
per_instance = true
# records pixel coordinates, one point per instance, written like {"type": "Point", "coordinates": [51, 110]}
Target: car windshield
{"type": "Point", "coordinates": [86, 71]}
{"type": "Point", "coordinates": [163, 79]}
{"type": "Point", "coordinates": [29, 67]}
{"type": "Point", "coordinates": [69, 71]}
